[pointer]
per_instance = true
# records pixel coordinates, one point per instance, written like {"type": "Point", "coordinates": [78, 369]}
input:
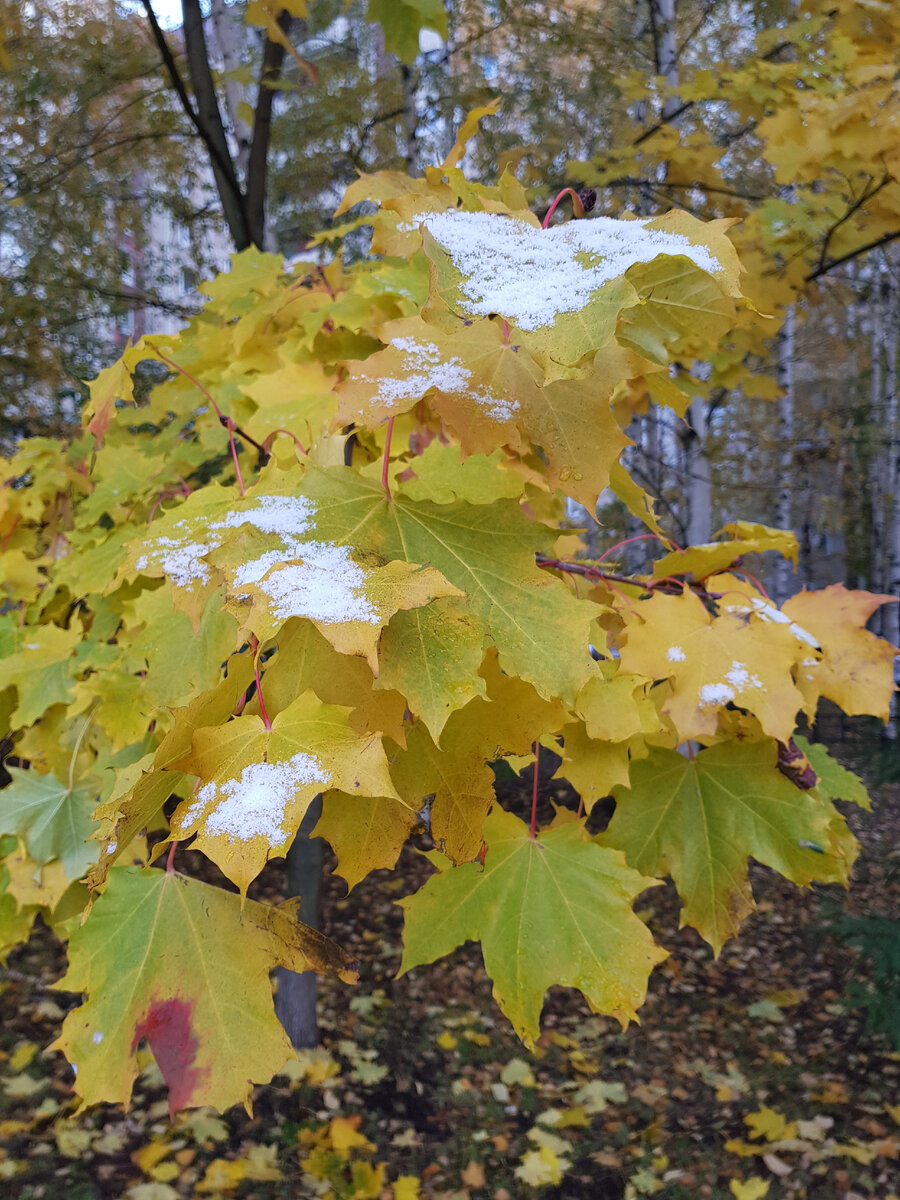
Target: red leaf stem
{"type": "Point", "coordinates": [534, 794]}
{"type": "Point", "coordinates": [387, 458]}
{"type": "Point", "coordinates": [640, 537]}
{"type": "Point", "coordinates": [577, 206]}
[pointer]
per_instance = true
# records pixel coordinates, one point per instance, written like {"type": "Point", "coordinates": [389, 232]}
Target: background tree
{"type": "Point", "coordinates": [91, 154]}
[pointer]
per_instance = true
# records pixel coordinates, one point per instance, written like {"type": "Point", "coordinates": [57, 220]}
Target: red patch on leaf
{"type": "Point", "coordinates": [167, 1028]}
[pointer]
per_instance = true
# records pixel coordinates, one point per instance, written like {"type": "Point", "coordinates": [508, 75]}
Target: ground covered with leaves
{"type": "Point", "coordinates": [750, 1075]}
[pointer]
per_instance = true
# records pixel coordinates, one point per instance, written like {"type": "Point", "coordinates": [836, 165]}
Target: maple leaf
{"type": "Point", "coordinates": [835, 781]}
{"type": "Point", "coordinates": [711, 557]}
{"type": "Point", "coordinates": [548, 911]}
{"type": "Point", "coordinates": [680, 308]}
{"type": "Point", "coordinates": [366, 832]}
{"type": "Point", "coordinates": [856, 670]}
{"type": "Point", "coordinates": [112, 385]}
{"type": "Point", "coordinates": [256, 784]}
{"type": "Point", "coordinates": [712, 662]}
{"type": "Point", "coordinates": [41, 668]}
{"type": "Point", "coordinates": [700, 820]}
{"type": "Point", "coordinates": [435, 685]}
{"type": "Point", "coordinates": [592, 767]}
{"type": "Point", "coordinates": [124, 816]}
{"type": "Point", "coordinates": [402, 21]}
{"type": "Point", "coordinates": [461, 783]}
{"type": "Point", "coordinates": [147, 958]}
{"type": "Point", "coordinates": [53, 817]}
{"type": "Point", "coordinates": [487, 551]}
{"type": "Point", "coordinates": [507, 720]}
{"type": "Point", "coordinates": [479, 383]}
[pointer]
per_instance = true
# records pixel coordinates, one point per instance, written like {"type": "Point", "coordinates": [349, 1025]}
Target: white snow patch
{"type": "Point", "coordinates": [532, 275]}
{"type": "Point", "coordinates": [326, 585]}
{"type": "Point", "coordinates": [424, 368]}
{"type": "Point", "coordinates": [182, 558]}
{"type": "Point", "coordinates": [97, 1038]}
{"type": "Point", "coordinates": [314, 579]}
{"type": "Point", "coordinates": [110, 849]}
{"type": "Point", "coordinates": [182, 561]}
{"type": "Point", "coordinates": [740, 678]}
{"type": "Point", "coordinates": [287, 515]}
{"type": "Point", "coordinates": [254, 805]}
{"type": "Point", "coordinates": [715, 693]}
{"type": "Point", "coordinates": [768, 612]}
{"type": "Point", "coordinates": [675, 654]}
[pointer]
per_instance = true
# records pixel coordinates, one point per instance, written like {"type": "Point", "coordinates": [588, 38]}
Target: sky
{"type": "Point", "coordinates": [168, 12]}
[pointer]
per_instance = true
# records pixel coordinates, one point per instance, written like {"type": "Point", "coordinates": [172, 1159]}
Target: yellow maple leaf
{"type": "Point", "coordinates": [856, 670]}
{"type": "Point", "coordinates": [711, 662]}
{"type": "Point", "coordinates": [753, 1188]}
{"type": "Point", "coordinates": [771, 1125]}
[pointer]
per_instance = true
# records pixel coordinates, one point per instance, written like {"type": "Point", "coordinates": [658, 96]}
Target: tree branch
{"type": "Point", "coordinates": [837, 262]}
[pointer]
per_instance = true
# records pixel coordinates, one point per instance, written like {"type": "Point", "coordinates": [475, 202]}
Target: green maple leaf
{"type": "Point", "coordinates": [548, 911]}
{"type": "Point", "coordinates": [41, 669]}
{"type": "Point", "coordinates": [435, 685]}
{"type": "Point", "coordinates": [53, 817]}
{"type": "Point", "coordinates": [700, 821]}
{"type": "Point", "coordinates": [185, 966]}
{"type": "Point", "coordinates": [487, 551]}
{"type": "Point", "coordinates": [835, 781]}
{"type": "Point", "coordinates": [681, 309]}
{"type": "Point", "coordinates": [402, 20]}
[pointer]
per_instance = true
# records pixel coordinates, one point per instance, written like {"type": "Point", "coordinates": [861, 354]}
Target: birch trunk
{"type": "Point", "coordinates": [699, 474]}
{"type": "Point", "coordinates": [228, 35]}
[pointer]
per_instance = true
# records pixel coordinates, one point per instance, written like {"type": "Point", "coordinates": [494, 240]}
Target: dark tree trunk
{"type": "Point", "coordinates": [295, 1000]}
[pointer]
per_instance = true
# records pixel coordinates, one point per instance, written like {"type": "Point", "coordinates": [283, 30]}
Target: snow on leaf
{"type": "Point", "coordinates": [531, 276]}
{"type": "Point", "coordinates": [725, 659]}
{"type": "Point", "coordinates": [146, 958]}
{"type": "Point", "coordinates": [256, 784]}
{"type": "Point", "coordinates": [700, 820]}
{"type": "Point", "coordinates": [265, 548]}
{"type": "Point", "coordinates": [540, 629]}
{"type": "Point", "coordinates": [253, 806]}
{"type": "Point", "coordinates": [477, 383]}
{"type": "Point", "coordinates": [556, 910]}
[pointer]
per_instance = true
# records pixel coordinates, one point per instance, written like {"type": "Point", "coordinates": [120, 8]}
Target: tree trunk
{"type": "Point", "coordinates": [295, 1000]}
{"type": "Point", "coordinates": [210, 119]}
{"type": "Point", "coordinates": [785, 350]}
{"type": "Point", "coordinates": [699, 474]}
{"type": "Point", "coordinates": [410, 121]}
{"type": "Point", "coordinates": [226, 24]}
{"type": "Point", "coordinates": [891, 628]}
